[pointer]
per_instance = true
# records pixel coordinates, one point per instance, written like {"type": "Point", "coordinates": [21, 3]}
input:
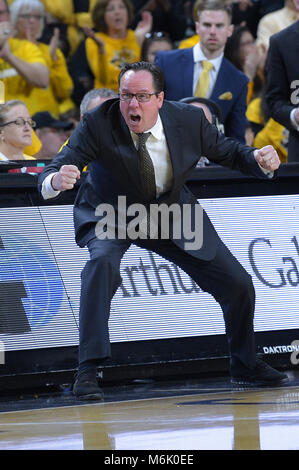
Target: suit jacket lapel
{"type": "Point", "coordinates": [293, 39]}
{"type": "Point", "coordinates": [172, 132]}
{"type": "Point", "coordinates": [222, 81]}
{"type": "Point", "coordinates": [188, 70]}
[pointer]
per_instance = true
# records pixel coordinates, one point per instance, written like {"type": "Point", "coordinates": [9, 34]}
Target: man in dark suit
{"type": "Point", "coordinates": [178, 134]}
{"type": "Point", "coordinates": [227, 86]}
{"type": "Point", "coordinates": [282, 84]}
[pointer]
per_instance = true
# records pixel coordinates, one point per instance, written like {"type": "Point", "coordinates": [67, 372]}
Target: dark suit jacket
{"type": "Point", "coordinates": [104, 139]}
{"type": "Point", "coordinates": [178, 66]}
{"type": "Point", "coordinates": [282, 71]}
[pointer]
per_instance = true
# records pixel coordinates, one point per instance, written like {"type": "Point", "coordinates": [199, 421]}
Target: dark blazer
{"type": "Point", "coordinates": [230, 90]}
{"type": "Point", "coordinates": [104, 139]}
{"type": "Point", "coordinates": [282, 71]}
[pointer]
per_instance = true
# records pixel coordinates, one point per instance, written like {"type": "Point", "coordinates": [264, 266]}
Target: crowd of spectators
{"type": "Point", "coordinates": [54, 53]}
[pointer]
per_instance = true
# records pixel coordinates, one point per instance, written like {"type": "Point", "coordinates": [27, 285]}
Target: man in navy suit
{"type": "Point", "coordinates": [177, 135]}
{"type": "Point", "coordinates": [228, 86]}
{"type": "Point", "coordinates": [282, 84]}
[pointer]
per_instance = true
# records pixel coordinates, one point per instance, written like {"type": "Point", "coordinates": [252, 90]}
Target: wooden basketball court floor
{"type": "Point", "coordinates": [199, 414]}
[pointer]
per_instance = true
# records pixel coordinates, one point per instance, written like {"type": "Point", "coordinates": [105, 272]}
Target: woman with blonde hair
{"type": "Point", "coordinates": [15, 131]}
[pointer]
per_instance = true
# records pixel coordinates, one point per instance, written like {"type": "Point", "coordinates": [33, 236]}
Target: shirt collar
{"type": "Point", "coordinates": [157, 129]}
{"type": "Point", "coordinates": [198, 56]}
{"type": "Point", "coordinates": [292, 14]}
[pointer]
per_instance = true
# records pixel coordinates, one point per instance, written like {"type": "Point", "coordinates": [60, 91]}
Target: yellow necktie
{"type": "Point", "coordinates": [203, 81]}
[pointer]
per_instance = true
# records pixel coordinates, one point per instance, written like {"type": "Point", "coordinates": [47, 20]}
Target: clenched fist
{"type": "Point", "coordinates": [65, 178]}
{"type": "Point", "coordinates": [267, 158]}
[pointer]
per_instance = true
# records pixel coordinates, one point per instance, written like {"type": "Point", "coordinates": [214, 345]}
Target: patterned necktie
{"type": "Point", "coordinates": [146, 167]}
{"type": "Point", "coordinates": [203, 81]}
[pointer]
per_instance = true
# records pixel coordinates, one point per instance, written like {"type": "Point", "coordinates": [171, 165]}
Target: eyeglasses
{"type": "Point", "coordinates": [28, 16]}
{"type": "Point", "coordinates": [156, 34]}
{"type": "Point", "coordinates": [20, 122]}
{"type": "Point", "coordinates": [140, 97]}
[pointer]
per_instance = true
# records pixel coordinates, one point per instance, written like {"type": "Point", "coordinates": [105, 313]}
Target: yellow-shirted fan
{"type": "Point", "coordinates": [106, 67]}
{"type": "Point", "coordinates": [272, 132]}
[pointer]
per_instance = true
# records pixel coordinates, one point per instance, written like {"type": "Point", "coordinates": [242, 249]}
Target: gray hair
{"type": "Point", "coordinates": [95, 93]}
{"type": "Point", "coordinates": [20, 7]}
{"type": "Point", "coordinates": [6, 107]}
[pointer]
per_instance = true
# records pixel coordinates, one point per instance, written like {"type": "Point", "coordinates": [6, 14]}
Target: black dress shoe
{"type": "Point", "coordinates": [86, 387]}
{"type": "Point", "coordinates": [262, 375]}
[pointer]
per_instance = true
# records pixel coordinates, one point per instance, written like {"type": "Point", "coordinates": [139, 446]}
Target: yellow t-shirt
{"type": "Point", "coordinates": [253, 112]}
{"type": "Point", "coordinates": [276, 135]}
{"type": "Point", "coordinates": [106, 67]}
{"type": "Point", "coordinates": [272, 132]}
{"type": "Point", "coordinates": [60, 88]}
{"type": "Point", "coordinates": [15, 86]}
{"type": "Point", "coordinates": [65, 11]}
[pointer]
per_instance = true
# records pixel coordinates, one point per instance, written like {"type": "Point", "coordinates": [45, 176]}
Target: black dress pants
{"type": "Point", "coordinates": [223, 277]}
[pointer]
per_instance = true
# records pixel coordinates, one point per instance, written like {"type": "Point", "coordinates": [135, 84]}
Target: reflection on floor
{"type": "Point", "coordinates": [200, 414]}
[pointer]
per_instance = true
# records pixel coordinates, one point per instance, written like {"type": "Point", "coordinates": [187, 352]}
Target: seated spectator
{"type": "Point", "coordinates": [27, 20]}
{"type": "Point", "coordinates": [52, 134]}
{"type": "Point", "coordinates": [91, 100]}
{"type": "Point", "coordinates": [204, 71]}
{"type": "Point", "coordinates": [276, 135]}
{"type": "Point", "coordinates": [276, 21]}
{"type": "Point", "coordinates": [265, 129]}
{"type": "Point", "coordinates": [245, 12]}
{"type": "Point", "coordinates": [15, 130]}
{"type": "Point", "coordinates": [212, 110]}
{"type": "Point", "coordinates": [153, 43]}
{"type": "Point", "coordinates": [244, 8]}
{"type": "Point", "coordinates": [22, 66]}
{"type": "Point", "coordinates": [168, 16]}
{"type": "Point", "coordinates": [213, 115]}
{"type": "Point", "coordinates": [71, 17]}
{"type": "Point", "coordinates": [242, 52]}
{"type": "Point", "coordinates": [94, 98]}
{"type": "Point", "coordinates": [114, 44]}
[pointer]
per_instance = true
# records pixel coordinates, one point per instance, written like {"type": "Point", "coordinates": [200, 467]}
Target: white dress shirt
{"type": "Point", "coordinates": [158, 151]}
{"type": "Point", "coordinates": [198, 57]}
